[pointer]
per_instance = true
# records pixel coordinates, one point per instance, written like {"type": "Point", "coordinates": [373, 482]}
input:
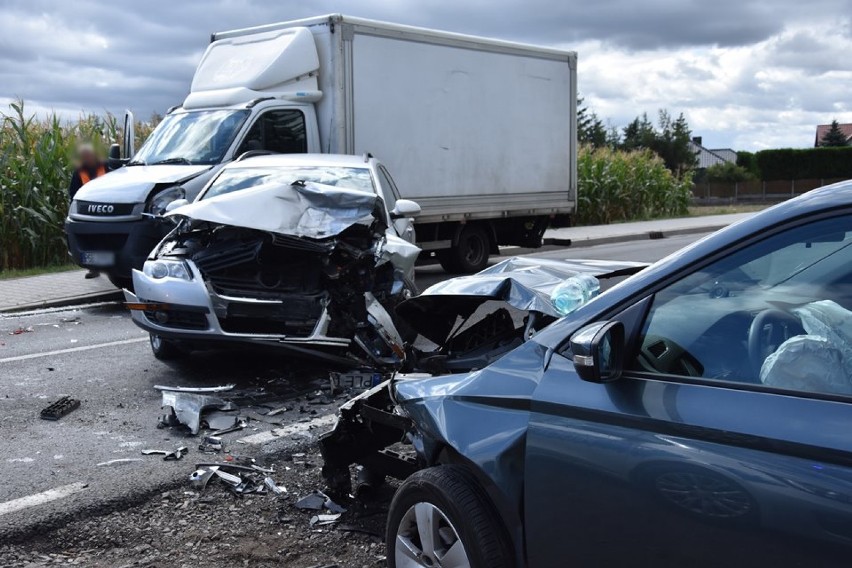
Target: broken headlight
{"type": "Point", "coordinates": [159, 269]}
{"type": "Point", "coordinates": [157, 204]}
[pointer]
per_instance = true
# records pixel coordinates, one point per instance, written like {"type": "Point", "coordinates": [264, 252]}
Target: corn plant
{"type": "Point", "coordinates": [621, 186]}
{"type": "Point", "coordinates": [36, 163]}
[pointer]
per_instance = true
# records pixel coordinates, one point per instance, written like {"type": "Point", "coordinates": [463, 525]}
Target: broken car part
{"type": "Point", "coordinates": [60, 408]}
{"type": "Point", "coordinates": [201, 476]}
{"type": "Point", "coordinates": [185, 407]}
{"type": "Point", "coordinates": [275, 488]}
{"type": "Point", "coordinates": [210, 444]}
{"type": "Point", "coordinates": [196, 390]}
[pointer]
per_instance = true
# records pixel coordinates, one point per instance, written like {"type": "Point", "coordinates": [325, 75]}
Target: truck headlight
{"type": "Point", "coordinates": [157, 204]}
{"type": "Point", "coordinates": [159, 269]}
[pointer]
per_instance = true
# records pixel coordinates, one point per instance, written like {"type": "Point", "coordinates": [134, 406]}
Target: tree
{"type": "Point", "coordinates": [590, 128]}
{"type": "Point", "coordinates": [670, 140]}
{"type": "Point", "coordinates": [834, 136]}
{"type": "Point", "coordinates": [727, 172]}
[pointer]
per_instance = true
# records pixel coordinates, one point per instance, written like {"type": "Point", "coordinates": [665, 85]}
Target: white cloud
{"type": "Point", "coordinates": [748, 74]}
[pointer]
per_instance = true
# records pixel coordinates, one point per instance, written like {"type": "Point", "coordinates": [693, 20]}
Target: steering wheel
{"type": "Point", "coordinates": [769, 329]}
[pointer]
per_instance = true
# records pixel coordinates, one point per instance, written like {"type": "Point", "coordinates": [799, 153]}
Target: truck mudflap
{"type": "Point", "coordinates": [366, 428]}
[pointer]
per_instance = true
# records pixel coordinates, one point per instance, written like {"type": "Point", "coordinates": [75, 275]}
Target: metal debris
{"type": "Point", "coordinates": [60, 408]}
{"type": "Point", "coordinates": [211, 444]}
{"type": "Point", "coordinates": [275, 488]}
{"type": "Point", "coordinates": [321, 520]}
{"type": "Point", "coordinates": [196, 390]}
{"type": "Point", "coordinates": [167, 455]}
{"type": "Point", "coordinates": [186, 404]}
{"type": "Point", "coordinates": [318, 501]}
{"type": "Point", "coordinates": [201, 476]}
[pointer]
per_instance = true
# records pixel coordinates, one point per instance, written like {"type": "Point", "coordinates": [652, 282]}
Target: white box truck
{"type": "Point", "coordinates": [480, 132]}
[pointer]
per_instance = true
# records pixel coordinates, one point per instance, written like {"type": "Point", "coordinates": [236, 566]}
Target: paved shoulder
{"type": "Point", "coordinates": [51, 290]}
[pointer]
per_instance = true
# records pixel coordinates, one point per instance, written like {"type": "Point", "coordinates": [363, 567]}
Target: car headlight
{"type": "Point", "coordinates": [159, 269]}
{"type": "Point", "coordinates": [158, 203]}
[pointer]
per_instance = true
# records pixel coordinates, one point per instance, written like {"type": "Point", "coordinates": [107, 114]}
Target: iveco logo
{"type": "Point", "coordinates": [101, 209]}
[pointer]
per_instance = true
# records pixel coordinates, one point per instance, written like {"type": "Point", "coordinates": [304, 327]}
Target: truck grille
{"type": "Point", "coordinates": [97, 209]}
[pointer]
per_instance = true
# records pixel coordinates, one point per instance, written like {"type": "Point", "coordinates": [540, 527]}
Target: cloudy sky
{"type": "Point", "coordinates": [747, 74]}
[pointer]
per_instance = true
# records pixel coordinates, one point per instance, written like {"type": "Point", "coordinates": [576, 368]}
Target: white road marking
{"type": "Point", "coordinates": [73, 349]}
{"type": "Point", "coordinates": [41, 498]}
{"type": "Point", "coordinates": [290, 431]}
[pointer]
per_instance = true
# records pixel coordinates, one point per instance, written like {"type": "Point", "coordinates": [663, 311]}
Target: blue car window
{"type": "Point", "coordinates": [777, 313]}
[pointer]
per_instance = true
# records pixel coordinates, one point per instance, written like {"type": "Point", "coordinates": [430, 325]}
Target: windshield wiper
{"type": "Point", "coordinates": [178, 160]}
{"type": "Point", "coordinates": [135, 163]}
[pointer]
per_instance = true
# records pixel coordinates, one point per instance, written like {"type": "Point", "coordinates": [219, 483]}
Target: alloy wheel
{"type": "Point", "coordinates": [426, 538]}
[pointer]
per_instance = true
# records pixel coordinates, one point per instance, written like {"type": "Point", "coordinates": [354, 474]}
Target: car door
{"type": "Point", "coordinates": [728, 439]}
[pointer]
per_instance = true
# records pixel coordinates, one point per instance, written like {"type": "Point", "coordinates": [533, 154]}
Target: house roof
{"type": "Point", "coordinates": [726, 154]}
{"type": "Point", "coordinates": [846, 129]}
{"type": "Point", "coordinates": [707, 158]}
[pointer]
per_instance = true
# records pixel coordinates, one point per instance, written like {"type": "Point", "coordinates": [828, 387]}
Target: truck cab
{"type": "Point", "coordinates": [246, 96]}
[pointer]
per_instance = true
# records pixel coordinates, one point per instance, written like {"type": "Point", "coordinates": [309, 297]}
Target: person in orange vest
{"type": "Point", "coordinates": [89, 166]}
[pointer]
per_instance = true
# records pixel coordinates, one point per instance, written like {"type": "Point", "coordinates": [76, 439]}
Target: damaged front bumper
{"type": "Point", "coordinates": [191, 310]}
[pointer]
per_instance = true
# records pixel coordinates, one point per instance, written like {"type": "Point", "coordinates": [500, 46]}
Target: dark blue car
{"type": "Point", "coordinates": [697, 414]}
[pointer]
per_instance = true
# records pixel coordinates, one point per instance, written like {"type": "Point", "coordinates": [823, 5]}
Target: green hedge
{"type": "Point", "coordinates": [811, 163]}
{"type": "Point", "coordinates": [619, 186]}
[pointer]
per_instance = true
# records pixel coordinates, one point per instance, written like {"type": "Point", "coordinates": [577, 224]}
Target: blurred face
{"type": "Point", "coordinates": [87, 156]}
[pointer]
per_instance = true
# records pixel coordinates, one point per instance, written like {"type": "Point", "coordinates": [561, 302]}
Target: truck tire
{"type": "Point", "coordinates": [165, 349]}
{"type": "Point", "coordinates": [470, 254]}
{"type": "Point", "coordinates": [468, 528]}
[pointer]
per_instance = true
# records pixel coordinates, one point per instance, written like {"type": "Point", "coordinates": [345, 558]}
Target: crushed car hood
{"type": "Point", "coordinates": [524, 283]}
{"type": "Point", "coordinates": [309, 210]}
{"type": "Point", "coordinates": [132, 184]}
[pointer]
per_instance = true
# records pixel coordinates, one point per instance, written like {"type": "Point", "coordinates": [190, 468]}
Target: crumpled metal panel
{"type": "Point", "coordinates": [310, 210]}
{"type": "Point", "coordinates": [524, 283]}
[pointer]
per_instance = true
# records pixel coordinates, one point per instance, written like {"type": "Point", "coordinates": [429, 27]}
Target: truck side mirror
{"type": "Point", "coordinates": [114, 158]}
{"type": "Point", "coordinates": [405, 208]}
{"type": "Point", "coordinates": [598, 351]}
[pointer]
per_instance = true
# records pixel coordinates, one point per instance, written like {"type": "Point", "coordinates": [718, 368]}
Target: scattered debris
{"type": "Point", "coordinates": [270, 483]}
{"type": "Point", "coordinates": [60, 408]}
{"type": "Point", "coordinates": [320, 520]}
{"type": "Point", "coordinates": [201, 476]}
{"type": "Point", "coordinates": [167, 455]}
{"type": "Point", "coordinates": [21, 330]}
{"type": "Point", "coordinates": [196, 390]}
{"type": "Point", "coordinates": [359, 380]}
{"type": "Point", "coordinates": [211, 444]}
{"type": "Point", "coordinates": [318, 501]}
{"type": "Point", "coordinates": [239, 425]}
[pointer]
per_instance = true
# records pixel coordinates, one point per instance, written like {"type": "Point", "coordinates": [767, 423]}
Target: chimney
{"type": "Point", "coordinates": [697, 140]}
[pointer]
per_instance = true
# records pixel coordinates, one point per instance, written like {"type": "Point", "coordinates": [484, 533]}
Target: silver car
{"type": "Point", "coordinates": [297, 250]}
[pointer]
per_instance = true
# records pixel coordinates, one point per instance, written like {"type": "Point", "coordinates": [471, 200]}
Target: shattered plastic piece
{"type": "Point", "coordinates": [228, 478]}
{"type": "Point", "coordinates": [21, 330]}
{"type": "Point", "coordinates": [196, 390]}
{"type": "Point", "coordinates": [60, 408]}
{"type": "Point", "coordinates": [167, 455]}
{"type": "Point", "coordinates": [220, 419]}
{"type": "Point", "coordinates": [321, 520]}
{"type": "Point", "coordinates": [186, 406]}
{"type": "Point", "coordinates": [270, 483]}
{"type": "Point", "coordinates": [318, 501]}
{"type": "Point", "coordinates": [201, 476]}
{"type": "Point", "coordinates": [240, 424]}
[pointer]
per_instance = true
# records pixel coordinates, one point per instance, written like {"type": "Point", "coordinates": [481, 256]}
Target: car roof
{"type": "Point", "coordinates": [282, 160]}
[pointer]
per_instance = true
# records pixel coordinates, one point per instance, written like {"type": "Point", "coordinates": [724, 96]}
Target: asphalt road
{"type": "Point", "coordinates": [50, 469]}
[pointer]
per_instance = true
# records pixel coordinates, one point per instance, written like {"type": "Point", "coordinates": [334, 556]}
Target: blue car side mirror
{"type": "Point", "coordinates": [598, 351]}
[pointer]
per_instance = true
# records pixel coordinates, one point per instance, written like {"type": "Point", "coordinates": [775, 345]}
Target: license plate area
{"type": "Point", "coordinates": [97, 258]}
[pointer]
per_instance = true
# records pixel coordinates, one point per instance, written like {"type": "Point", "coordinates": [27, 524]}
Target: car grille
{"type": "Point", "coordinates": [295, 316]}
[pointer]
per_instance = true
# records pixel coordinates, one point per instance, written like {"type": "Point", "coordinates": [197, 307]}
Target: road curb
{"type": "Point", "coordinates": [594, 241]}
{"type": "Point", "coordinates": [106, 296]}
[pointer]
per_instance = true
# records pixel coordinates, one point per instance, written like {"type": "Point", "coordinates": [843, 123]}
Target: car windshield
{"type": "Point", "coordinates": [235, 179]}
{"type": "Point", "coordinates": [198, 137]}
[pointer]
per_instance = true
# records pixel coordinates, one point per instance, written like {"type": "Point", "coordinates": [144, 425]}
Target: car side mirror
{"type": "Point", "coordinates": [175, 204]}
{"type": "Point", "coordinates": [598, 351]}
{"type": "Point", "coordinates": [405, 208]}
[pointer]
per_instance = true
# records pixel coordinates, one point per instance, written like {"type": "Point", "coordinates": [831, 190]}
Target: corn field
{"type": "Point", "coordinates": [621, 186]}
{"type": "Point", "coordinates": [36, 163]}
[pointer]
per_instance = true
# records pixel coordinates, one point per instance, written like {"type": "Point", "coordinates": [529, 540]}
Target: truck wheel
{"type": "Point", "coordinates": [470, 253]}
{"type": "Point", "coordinates": [121, 281]}
{"type": "Point", "coordinates": [165, 349]}
{"type": "Point", "coordinates": [441, 517]}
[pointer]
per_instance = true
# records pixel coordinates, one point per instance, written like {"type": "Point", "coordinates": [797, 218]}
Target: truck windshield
{"type": "Point", "coordinates": [235, 179]}
{"type": "Point", "coordinates": [198, 137]}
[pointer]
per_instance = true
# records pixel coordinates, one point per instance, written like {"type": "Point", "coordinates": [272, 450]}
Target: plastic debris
{"type": "Point", "coordinates": [275, 488]}
{"type": "Point", "coordinates": [201, 476]}
{"type": "Point", "coordinates": [211, 444]}
{"type": "Point", "coordinates": [318, 501]}
{"type": "Point", "coordinates": [60, 408]}
{"type": "Point", "coordinates": [21, 330]}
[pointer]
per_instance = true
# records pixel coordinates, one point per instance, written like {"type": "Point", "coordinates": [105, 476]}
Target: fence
{"type": "Point", "coordinates": [755, 191]}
